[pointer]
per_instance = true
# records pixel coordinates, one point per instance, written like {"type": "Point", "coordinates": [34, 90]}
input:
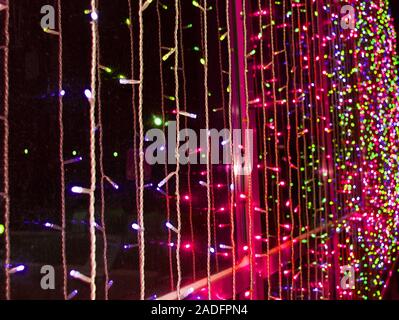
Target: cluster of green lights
{"type": "Point", "coordinates": [366, 96]}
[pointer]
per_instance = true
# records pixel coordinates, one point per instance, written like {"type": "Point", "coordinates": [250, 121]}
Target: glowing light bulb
{"type": "Point", "coordinates": [225, 246]}
{"type": "Point", "coordinates": [72, 295]}
{"type": "Point", "coordinates": [187, 114]}
{"type": "Point", "coordinates": [110, 283]}
{"type": "Point", "coordinates": [171, 227]}
{"type": "Point", "coordinates": [76, 159]}
{"type": "Point", "coordinates": [135, 226]}
{"type": "Point", "coordinates": [77, 189]}
{"type": "Point", "coordinates": [196, 4]}
{"type": "Point", "coordinates": [77, 275]}
{"type": "Point", "coordinates": [157, 121]}
{"type": "Point", "coordinates": [2, 229]}
{"type": "Point", "coordinates": [16, 269]}
{"type": "Point", "coordinates": [94, 16]}
{"type": "Point", "coordinates": [88, 94]}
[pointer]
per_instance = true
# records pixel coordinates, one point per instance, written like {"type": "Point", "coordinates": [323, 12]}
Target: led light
{"type": "Point", "coordinates": [171, 227]}
{"type": "Point", "coordinates": [110, 283]}
{"type": "Point", "coordinates": [130, 246]}
{"type": "Point", "coordinates": [157, 121]}
{"type": "Point", "coordinates": [77, 275]}
{"type": "Point", "coordinates": [73, 160]}
{"type": "Point", "coordinates": [88, 94]}
{"type": "Point", "coordinates": [128, 81]}
{"type": "Point", "coordinates": [72, 295]}
{"type": "Point", "coordinates": [112, 183]}
{"type": "Point", "coordinates": [16, 269]}
{"type": "Point", "coordinates": [52, 226]}
{"type": "Point", "coordinates": [202, 183]}
{"type": "Point", "coordinates": [94, 16]}
{"type": "Point", "coordinates": [80, 190]}
{"type": "Point", "coordinates": [189, 115]}
{"type": "Point", "coordinates": [164, 181]}
{"type": "Point", "coordinates": [135, 226]}
{"type": "Point", "coordinates": [167, 55]}
{"type": "Point", "coordinates": [162, 192]}
{"type": "Point", "coordinates": [77, 189]}
{"type": "Point", "coordinates": [224, 246]}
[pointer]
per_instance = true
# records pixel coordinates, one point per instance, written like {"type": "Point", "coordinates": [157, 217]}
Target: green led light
{"type": "Point", "coordinates": [157, 121]}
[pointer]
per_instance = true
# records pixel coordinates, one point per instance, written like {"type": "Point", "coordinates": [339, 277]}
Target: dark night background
{"type": "Point", "coordinates": [34, 166]}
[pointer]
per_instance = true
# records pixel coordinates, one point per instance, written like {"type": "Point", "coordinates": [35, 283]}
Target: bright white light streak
{"type": "Point", "coordinates": [77, 275]}
{"type": "Point", "coordinates": [171, 227]}
{"type": "Point", "coordinates": [163, 182]}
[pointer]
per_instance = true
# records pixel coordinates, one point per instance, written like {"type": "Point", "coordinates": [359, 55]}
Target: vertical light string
{"type": "Point", "coordinates": [221, 37]}
{"type": "Point", "coordinates": [298, 210]}
{"type": "Point", "coordinates": [311, 160]}
{"type": "Point", "coordinates": [333, 101]}
{"type": "Point", "coordinates": [220, 56]}
{"type": "Point", "coordinates": [6, 183]}
{"type": "Point", "coordinates": [276, 147]}
{"type": "Point", "coordinates": [177, 154]}
{"type": "Point", "coordinates": [214, 222]}
{"type": "Point", "coordinates": [184, 89]}
{"type": "Point", "coordinates": [264, 155]}
{"type": "Point", "coordinates": [167, 199]}
{"type": "Point", "coordinates": [325, 164]}
{"type": "Point", "coordinates": [249, 178]}
{"type": "Point", "coordinates": [231, 190]}
{"type": "Point", "coordinates": [303, 134]}
{"type": "Point", "coordinates": [208, 166]}
{"type": "Point", "coordinates": [134, 112]}
{"type": "Point", "coordinates": [287, 107]}
{"type": "Point", "coordinates": [61, 153]}
{"type": "Point", "coordinates": [92, 100]}
{"type": "Point", "coordinates": [320, 148]}
{"type": "Point", "coordinates": [101, 167]}
{"type": "Point", "coordinates": [141, 157]}
{"type": "Point", "coordinates": [210, 172]}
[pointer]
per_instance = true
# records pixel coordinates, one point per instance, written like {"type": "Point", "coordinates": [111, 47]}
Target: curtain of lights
{"type": "Point", "coordinates": [322, 100]}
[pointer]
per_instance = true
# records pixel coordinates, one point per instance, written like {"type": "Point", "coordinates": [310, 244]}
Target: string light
{"type": "Point", "coordinates": [323, 103]}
